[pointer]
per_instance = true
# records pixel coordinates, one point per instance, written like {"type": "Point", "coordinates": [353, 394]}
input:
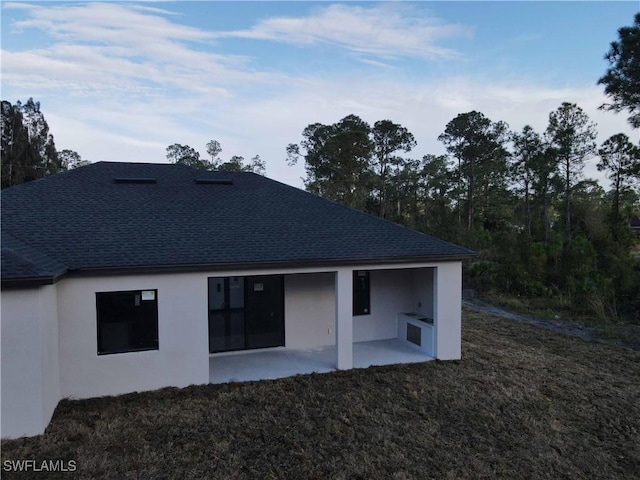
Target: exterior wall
{"type": "Point", "coordinates": [50, 351]}
{"type": "Point", "coordinates": [309, 309]}
{"type": "Point", "coordinates": [182, 357]}
{"type": "Point", "coordinates": [423, 293]}
{"type": "Point", "coordinates": [448, 305]}
{"type": "Point", "coordinates": [391, 293]}
{"type": "Point", "coordinates": [30, 374]}
{"type": "Point", "coordinates": [344, 318]}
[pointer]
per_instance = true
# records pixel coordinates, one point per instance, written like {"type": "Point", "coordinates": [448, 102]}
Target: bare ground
{"type": "Point", "coordinates": [613, 334]}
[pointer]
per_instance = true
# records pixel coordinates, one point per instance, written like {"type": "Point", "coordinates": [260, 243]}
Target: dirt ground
{"type": "Point", "coordinates": [621, 335]}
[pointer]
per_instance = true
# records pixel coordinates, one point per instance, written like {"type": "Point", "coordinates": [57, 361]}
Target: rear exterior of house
{"type": "Point", "coordinates": [130, 277]}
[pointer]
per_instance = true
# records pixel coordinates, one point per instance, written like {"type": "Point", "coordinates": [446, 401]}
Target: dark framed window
{"type": "Point", "coordinates": [361, 293]}
{"type": "Point", "coordinates": [127, 321]}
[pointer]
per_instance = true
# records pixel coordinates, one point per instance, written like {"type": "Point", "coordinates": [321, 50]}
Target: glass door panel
{"type": "Point", "coordinates": [265, 311]}
{"type": "Point", "coordinates": [216, 294]}
{"type": "Point", "coordinates": [226, 331]}
{"type": "Point", "coordinates": [226, 314]}
{"type": "Point", "coordinates": [245, 312]}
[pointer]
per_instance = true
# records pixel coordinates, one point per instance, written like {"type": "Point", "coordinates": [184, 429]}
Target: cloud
{"type": "Point", "coordinates": [102, 48]}
{"type": "Point", "coordinates": [18, 6]}
{"type": "Point", "coordinates": [121, 83]}
{"type": "Point", "coordinates": [388, 31]}
{"type": "Point", "coordinates": [144, 8]}
{"type": "Point", "coordinates": [107, 22]}
{"type": "Point", "coordinates": [375, 63]}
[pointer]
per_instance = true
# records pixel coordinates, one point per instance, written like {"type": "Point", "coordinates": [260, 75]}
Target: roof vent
{"type": "Point", "coordinates": [214, 181]}
{"type": "Point", "coordinates": [135, 180]}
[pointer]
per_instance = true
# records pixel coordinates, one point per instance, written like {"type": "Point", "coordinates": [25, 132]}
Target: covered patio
{"type": "Point", "coordinates": [283, 362]}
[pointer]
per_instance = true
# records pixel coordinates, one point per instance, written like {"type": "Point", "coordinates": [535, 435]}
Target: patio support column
{"type": "Point", "coordinates": [344, 318]}
{"type": "Point", "coordinates": [448, 305]}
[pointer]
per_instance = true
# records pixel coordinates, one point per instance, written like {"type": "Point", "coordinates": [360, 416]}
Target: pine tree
{"type": "Point", "coordinates": [572, 136]}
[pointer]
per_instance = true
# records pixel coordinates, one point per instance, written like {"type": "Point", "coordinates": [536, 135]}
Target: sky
{"type": "Point", "coordinates": [121, 81]}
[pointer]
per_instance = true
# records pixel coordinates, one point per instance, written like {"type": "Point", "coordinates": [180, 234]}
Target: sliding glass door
{"type": "Point", "coordinates": [246, 312]}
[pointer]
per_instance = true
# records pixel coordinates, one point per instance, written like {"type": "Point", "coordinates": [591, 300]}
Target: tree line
{"type": "Point", "coordinates": [518, 198]}
{"type": "Point", "coordinates": [28, 148]}
{"type": "Point", "coordinates": [186, 155]}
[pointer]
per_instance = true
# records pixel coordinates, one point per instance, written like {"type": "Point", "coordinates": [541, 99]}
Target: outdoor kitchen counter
{"type": "Point", "coordinates": [417, 330]}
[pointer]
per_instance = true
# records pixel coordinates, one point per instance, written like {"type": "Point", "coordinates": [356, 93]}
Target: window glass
{"type": "Point", "coordinates": [127, 321]}
{"type": "Point", "coordinates": [361, 293]}
{"type": "Point", "coordinates": [216, 294]}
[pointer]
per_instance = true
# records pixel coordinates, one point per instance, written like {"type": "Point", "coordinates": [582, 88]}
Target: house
{"type": "Point", "coordinates": [123, 277]}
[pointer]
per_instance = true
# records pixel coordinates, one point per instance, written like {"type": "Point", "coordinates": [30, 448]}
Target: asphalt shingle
{"type": "Point", "coordinates": [22, 262]}
{"type": "Point", "coordinates": [84, 220]}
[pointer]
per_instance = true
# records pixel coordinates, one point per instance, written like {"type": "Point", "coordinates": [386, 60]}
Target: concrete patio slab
{"type": "Point", "coordinates": [282, 362]}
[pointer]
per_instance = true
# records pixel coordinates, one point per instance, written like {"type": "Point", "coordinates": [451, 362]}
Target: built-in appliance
{"type": "Point", "coordinates": [417, 330]}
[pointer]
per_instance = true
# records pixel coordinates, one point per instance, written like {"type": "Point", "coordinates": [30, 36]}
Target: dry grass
{"type": "Point", "coordinates": [523, 403]}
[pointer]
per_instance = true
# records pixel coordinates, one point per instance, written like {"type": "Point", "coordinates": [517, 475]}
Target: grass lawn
{"type": "Point", "coordinates": [523, 403]}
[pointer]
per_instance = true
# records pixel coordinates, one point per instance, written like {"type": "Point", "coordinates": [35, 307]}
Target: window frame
{"type": "Point", "coordinates": [154, 345]}
{"type": "Point", "coordinates": [361, 310]}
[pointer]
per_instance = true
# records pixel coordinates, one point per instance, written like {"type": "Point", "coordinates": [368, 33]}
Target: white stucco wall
{"type": "Point", "coordinates": [391, 293]}
{"type": "Point", "coordinates": [309, 310]}
{"type": "Point", "coordinates": [423, 293]}
{"type": "Point", "coordinates": [344, 318]}
{"type": "Point", "coordinates": [50, 350]}
{"type": "Point", "coordinates": [182, 357]}
{"type": "Point", "coordinates": [448, 306]}
{"type": "Point", "coordinates": [29, 363]}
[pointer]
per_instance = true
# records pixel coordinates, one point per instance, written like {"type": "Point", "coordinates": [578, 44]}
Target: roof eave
{"type": "Point", "coordinates": [27, 282]}
{"type": "Point", "coordinates": [142, 269]}
{"type": "Point", "coordinates": [37, 281]}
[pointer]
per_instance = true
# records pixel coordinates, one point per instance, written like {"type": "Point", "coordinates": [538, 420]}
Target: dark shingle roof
{"type": "Point", "coordinates": [85, 220]}
{"type": "Point", "coordinates": [22, 263]}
